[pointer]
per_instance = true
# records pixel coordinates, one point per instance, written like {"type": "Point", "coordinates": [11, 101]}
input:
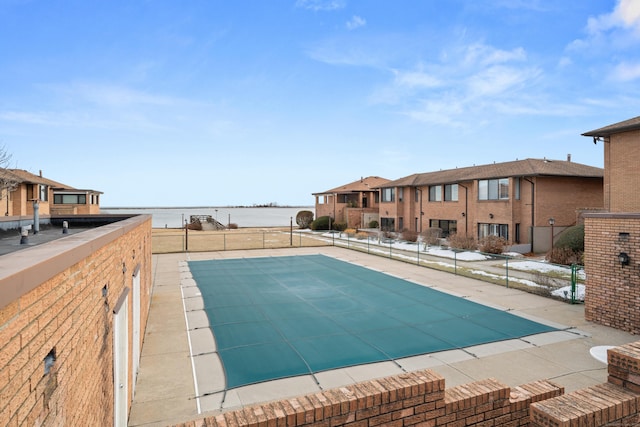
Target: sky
{"type": "Point", "coordinates": [243, 102]}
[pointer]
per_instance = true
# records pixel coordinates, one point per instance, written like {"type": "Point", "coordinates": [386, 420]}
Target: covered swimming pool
{"type": "Point", "coordinates": [280, 317]}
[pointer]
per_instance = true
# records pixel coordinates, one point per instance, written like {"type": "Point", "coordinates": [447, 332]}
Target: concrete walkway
{"type": "Point", "coordinates": [166, 392]}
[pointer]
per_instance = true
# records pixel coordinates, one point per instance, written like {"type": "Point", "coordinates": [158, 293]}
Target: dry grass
{"type": "Point", "coordinates": [166, 240]}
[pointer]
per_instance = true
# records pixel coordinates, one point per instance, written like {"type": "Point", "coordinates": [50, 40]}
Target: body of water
{"type": "Point", "coordinates": [243, 217]}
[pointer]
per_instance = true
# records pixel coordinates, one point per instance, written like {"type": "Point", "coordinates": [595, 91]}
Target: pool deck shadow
{"type": "Point", "coordinates": [166, 392]}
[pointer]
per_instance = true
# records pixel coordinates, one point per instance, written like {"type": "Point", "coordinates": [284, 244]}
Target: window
{"type": "Point", "coordinates": [516, 184]}
{"type": "Point", "coordinates": [446, 225]}
{"type": "Point", "coordinates": [501, 230]}
{"type": "Point", "coordinates": [70, 199]}
{"type": "Point", "coordinates": [388, 194]}
{"type": "Point", "coordinates": [417, 194]}
{"type": "Point", "coordinates": [451, 192]}
{"type": "Point", "coordinates": [321, 200]}
{"type": "Point", "coordinates": [387, 224]}
{"type": "Point", "coordinates": [44, 193]}
{"type": "Point", "coordinates": [400, 193]}
{"type": "Point", "coordinates": [493, 189]}
{"type": "Point", "coordinates": [400, 223]}
{"type": "Point", "coordinates": [435, 193]}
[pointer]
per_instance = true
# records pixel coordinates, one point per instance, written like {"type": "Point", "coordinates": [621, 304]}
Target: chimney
{"type": "Point", "coordinates": [569, 157]}
{"type": "Point", "coordinates": [40, 173]}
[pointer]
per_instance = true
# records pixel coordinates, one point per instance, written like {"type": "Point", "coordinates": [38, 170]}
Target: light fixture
{"type": "Point", "coordinates": [490, 215]}
{"type": "Point", "coordinates": [552, 221]}
{"type": "Point", "coordinates": [464, 214]}
{"type": "Point", "coordinates": [623, 258]}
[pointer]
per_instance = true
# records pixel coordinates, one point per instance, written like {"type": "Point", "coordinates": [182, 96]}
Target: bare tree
{"type": "Point", "coordinates": [8, 181]}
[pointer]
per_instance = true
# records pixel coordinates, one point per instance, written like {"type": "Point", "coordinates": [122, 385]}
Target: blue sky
{"type": "Point", "coordinates": [208, 102]}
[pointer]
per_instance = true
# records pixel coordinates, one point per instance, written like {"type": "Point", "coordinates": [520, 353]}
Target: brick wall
{"type": "Point", "coordinates": [411, 399]}
{"type": "Point", "coordinates": [52, 304]}
{"type": "Point", "coordinates": [421, 399]}
{"type": "Point", "coordinates": [614, 403]}
{"type": "Point", "coordinates": [612, 289]}
{"type": "Point", "coordinates": [622, 180]}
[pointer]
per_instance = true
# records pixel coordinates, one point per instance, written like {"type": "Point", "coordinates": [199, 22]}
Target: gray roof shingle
{"type": "Point", "coordinates": [624, 126]}
{"type": "Point", "coordinates": [527, 167]}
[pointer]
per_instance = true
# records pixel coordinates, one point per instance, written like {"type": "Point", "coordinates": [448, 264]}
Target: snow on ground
{"type": "Point", "coordinates": [543, 267]}
{"type": "Point", "coordinates": [382, 247]}
{"type": "Point", "coordinates": [565, 292]}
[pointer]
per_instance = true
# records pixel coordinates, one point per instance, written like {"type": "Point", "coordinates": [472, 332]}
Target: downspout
{"type": "Point", "coordinates": [466, 208]}
{"type": "Point", "coordinates": [533, 201]}
{"type": "Point", "coordinates": [420, 213]}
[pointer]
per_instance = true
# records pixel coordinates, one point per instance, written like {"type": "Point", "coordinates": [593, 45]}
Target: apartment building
{"type": "Point", "coordinates": [528, 202]}
{"type": "Point", "coordinates": [20, 190]}
{"type": "Point", "coordinates": [356, 203]}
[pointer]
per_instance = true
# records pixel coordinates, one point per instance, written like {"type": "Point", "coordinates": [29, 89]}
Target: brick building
{"type": "Point", "coordinates": [72, 316]}
{"type": "Point", "coordinates": [612, 238]}
{"type": "Point", "coordinates": [355, 204]}
{"type": "Point", "coordinates": [515, 200]}
{"type": "Point", "coordinates": [19, 189]}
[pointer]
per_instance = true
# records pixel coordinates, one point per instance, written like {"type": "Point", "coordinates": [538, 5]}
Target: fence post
{"type": "Point", "coordinates": [507, 269]}
{"type": "Point", "coordinates": [224, 241]}
{"type": "Point", "coordinates": [418, 263]}
{"type": "Point", "coordinates": [455, 262]}
{"type": "Point", "coordinates": [574, 280]}
{"type": "Point", "coordinates": [291, 233]}
{"type": "Point", "coordinates": [186, 236]}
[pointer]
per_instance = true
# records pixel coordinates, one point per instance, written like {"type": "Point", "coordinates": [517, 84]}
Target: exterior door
{"type": "Point", "coordinates": [136, 327]}
{"type": "Point", "coordinates": [120, 360]}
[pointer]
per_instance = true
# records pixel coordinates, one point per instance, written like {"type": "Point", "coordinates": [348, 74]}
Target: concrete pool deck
{"type": "Point", "coordinates": [166, 393]}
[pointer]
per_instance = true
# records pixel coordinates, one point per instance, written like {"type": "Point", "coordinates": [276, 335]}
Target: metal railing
{"type": "Point", "coordinates": [524, 273]}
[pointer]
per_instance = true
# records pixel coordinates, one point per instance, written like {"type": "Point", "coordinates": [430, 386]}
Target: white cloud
{"type": "Point", "coordinates": [497, 80]}
{"type": "Point", "coordinates": [626, 15]}
{"type": "Point", "coordinates": [416, 79]}
{"type": "Point", "coordinates": [629, 12]}
{"type": "Point", "coordinates": [112, 95]}
{"type": "Point", "coordinates": [464, 82]}
{"type": "Point", "coordinates": [317, 5]}
{"type": "Point", "coordinates": [356, 22]}
{"type": "Point", "coordinates": [482, 54]}
{"type": "Point", "coordinates": [625, 72]}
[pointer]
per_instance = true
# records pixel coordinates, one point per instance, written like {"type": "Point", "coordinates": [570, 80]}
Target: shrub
{"type": "Point", "coordinates": [362, 235]}
{"type": "Point", "coordinates": [492, 244]}
{"type": "Point", "coordinates": [431, 236]}
{"type": "Point", "coordinates": [232, 226]}
{"type": "Point", "coordinates": [321, 223]}
{"type": "Point", "coordinates": [565, 256]}
{"type": "Point", "coordinates": [457, 241]}
{"type": "Point", "coordinates": [572, 238]}
{"type": "Point", "coordinates": [350, 232]}
{"type": "Point", "coordinates": [339, 226]}
{"type": "Point", "coordinates": [373, 224]}
{"type": "Point", "coordinates": [569, 248]}
{"type": "Point", "coordinates": [409, 235]}
{"type": "Point", "coordinates": [304, 218]}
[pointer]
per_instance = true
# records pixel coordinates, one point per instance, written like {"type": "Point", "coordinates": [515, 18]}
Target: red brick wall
{"type": "Point", "coordinates": [411, 399]}
{"type": "Point", "coordinates": [614, 403]}
{"type": "Point", "coordinates": [55, 301]}
{"type": "Point", "coordinates": [612, 290]}
{"type": "Point", "coordinates": [622, 157]}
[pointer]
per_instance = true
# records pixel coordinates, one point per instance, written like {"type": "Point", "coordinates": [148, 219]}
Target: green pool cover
{"type": "Point", "coordinates": [280, 317]}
